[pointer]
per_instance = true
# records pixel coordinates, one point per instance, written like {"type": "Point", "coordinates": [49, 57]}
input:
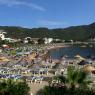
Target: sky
{"type": "Point", "coordinates": [46, 13]}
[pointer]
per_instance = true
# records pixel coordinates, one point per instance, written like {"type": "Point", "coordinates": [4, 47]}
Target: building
{"type": "Point", "coordinates": [2, 37]}
{"type": "Point", "coordinates": [48, 40]}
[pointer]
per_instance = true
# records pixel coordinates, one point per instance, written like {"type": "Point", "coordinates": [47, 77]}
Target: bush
{"type": "Point", "coordinates": [10, 87]}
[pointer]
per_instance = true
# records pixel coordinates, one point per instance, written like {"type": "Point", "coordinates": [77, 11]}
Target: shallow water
{"type": "Point", "coordinates": [72, 51]}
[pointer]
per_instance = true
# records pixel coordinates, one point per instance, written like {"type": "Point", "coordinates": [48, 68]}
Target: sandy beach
{"type": "Point", "coordinates": [56, 46]}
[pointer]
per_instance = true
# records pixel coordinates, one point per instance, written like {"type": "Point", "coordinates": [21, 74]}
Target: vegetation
{"type": "Point", "coordinates": [75, 33]}
{"type": "Point", "coordinates": [75, 83]}
{"type": "Point", "coordinates": [10, 87]}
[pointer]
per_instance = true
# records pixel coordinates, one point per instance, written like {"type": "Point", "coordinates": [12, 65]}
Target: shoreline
{"type": "Point", "coordinates": [55, 47]}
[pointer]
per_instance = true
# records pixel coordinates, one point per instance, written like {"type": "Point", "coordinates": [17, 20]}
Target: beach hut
{"type": "Point", "coordinates": [31, 57]}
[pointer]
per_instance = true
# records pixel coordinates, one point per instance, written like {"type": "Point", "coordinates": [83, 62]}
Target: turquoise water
{"type": "Point", "coordinates": [72, 51]}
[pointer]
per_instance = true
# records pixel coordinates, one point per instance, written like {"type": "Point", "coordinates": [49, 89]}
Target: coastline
{"type": "Point", "coordinates": [56, 46]}
{"type": "Point", "coordinates": [53, 47]}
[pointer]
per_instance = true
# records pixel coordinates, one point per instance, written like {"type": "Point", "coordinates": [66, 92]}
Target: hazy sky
{"type": "Point", "coordinates": [46, 13]}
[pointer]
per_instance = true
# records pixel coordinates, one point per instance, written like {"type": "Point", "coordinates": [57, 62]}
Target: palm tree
{"type": "Point", "coordinates": [75, 78]}
{"type": "Point", "coordinates": [74, 83]}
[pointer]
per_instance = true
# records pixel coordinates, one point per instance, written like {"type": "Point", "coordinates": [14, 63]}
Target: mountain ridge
{"type": "Point", "coordinates": [82, 32]}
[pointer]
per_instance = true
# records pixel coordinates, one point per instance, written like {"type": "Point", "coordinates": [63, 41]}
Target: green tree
{"type": "Point", "coordinates": [11, 87]}
{"type": "Point", "coordinates": [3, 88]}
{"type": "Point", "coordinates": [75, 83]}
{"type": "Point", "coordinates": [41, 41]}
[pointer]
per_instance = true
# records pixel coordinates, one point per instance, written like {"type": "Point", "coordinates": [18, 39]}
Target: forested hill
{"type": "Point", "coordinates": [75, 32]}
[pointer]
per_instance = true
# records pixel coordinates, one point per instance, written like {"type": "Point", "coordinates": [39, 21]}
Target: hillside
{"type": "Point", "coordinates": [75, 32]}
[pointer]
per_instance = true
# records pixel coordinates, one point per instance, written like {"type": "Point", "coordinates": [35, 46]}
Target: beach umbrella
{"type": "Point", "coordinates": [93, 71]}
{"type": "Point", "coordinates": [31, 93]}
{"type": "Point", "coordinates": [0, 50]}
{"type": "Point", "coordinates": [32, 56]}
{"type": "Point", "coordinates": [59, 66]}
{"type": "Point", "coordinates": [20, 53]}
{"type": "Point", "coordinates": [27, 53]}
{"type": "Point", "coordinates": [89, 68]}
{"type": "Point", "coordinates": [4, 59]}
{"type": "Point", "coordinates": [64, 57]}
{"type": "Point", "coordinates": [5, 46]}
{"type": "Point", "coordinates": [36, 66]}
{"type": "Point", "coordinates": [79, 57]}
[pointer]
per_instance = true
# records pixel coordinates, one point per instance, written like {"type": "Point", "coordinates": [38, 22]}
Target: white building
{"type": "Point", "coordinates": [25, 41]}
{"type": "Point", "coordinates": [2, 37]}
{"type": "Point", "coordinates": [48, 40]}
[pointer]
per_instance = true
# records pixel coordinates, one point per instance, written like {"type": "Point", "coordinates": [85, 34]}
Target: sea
{"type": "Point", "coordinates": [73, 50]}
